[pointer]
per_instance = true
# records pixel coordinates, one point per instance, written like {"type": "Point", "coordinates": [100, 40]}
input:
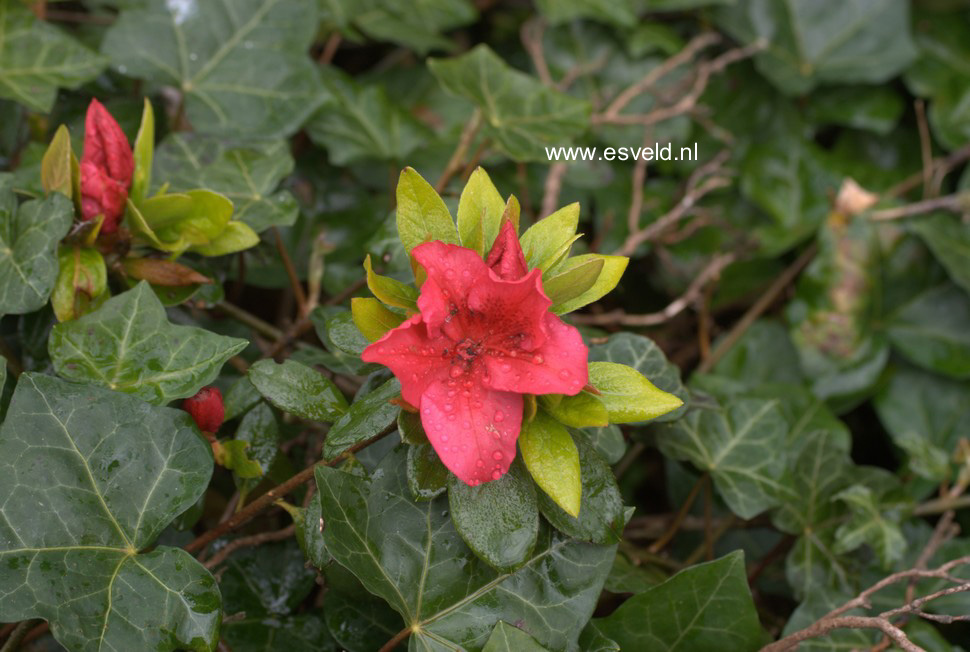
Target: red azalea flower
{"type": "Point", "coordinates": [106, 168]}
{"type": "Point", "coordinates": [206, 408]}
{"type": "Point", "coordinates": [478, 344]}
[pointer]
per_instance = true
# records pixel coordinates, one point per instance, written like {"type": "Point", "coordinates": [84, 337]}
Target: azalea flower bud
{"type": "Point", "coordinates": [506, 258]}
{"type": "Point", "coordinates": [106, 168]}
{"type": "Point", "coordinates": [206, 408]}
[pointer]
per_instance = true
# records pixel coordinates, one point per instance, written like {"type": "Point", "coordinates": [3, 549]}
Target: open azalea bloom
{"type": "Point", "coordinates": [483, 337]}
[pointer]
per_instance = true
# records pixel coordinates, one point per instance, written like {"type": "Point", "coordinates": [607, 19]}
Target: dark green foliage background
{"type": "Point", "coordinates": [814, 448]}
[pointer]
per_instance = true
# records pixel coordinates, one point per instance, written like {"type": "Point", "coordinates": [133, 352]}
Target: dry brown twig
{"type": "Point", "coordinates": [248, 542]}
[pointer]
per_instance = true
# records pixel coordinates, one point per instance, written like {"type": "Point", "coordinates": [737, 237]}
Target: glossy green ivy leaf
{"type": "Point", "coordinates": [552, 459]}
{"type": "Point", "coordinates": [427, 476]}
{"type": "Point", "coordinates": [241, 397]}
{"type": "Point", "coordinates": [627, 395]}
{"type": "Point", "coordinates": [389, 290]}
{"type": "Point", "coordinates": [625, 577]}
{"type": "Point", "coordinates": [480, 210]}
{"type": "Point", "coordinates": [421, 214]}
{"type": "Point", "coordinates": [645, 356]}
{"type": "Point", "coordinates": [730, 443]}
{"type": "Point", "coordinates": [336, 329]}
{"type": "Point", "coordinates": [29, 234]}
{"type": "Point", "coordinates": [543, 242]}
{"type": "Point", "coordinates": [410, 428]}
{"type": "Point", "coordinates": [875, 108]}
{"type": "Point", "coordinates": [610, 274]}
{"type": "Point", "coordinates": [266, 585]}
{"type": "Point", "coordinates": [499, 520]}
{"type": "Point", "coordinates": [129, 345]}
{"type": "Point", "coordinates": [926, 415]}
{"type": "Point", "coordinates": [123, 471]}
{"type": "Point", "coordinates": [520, 114]}
{"type": "Point", "coordinates": [248, 173]}
{"type": "Point", "coordinates": [360, 123]}
{"type": "Point", "coordinates": [410, 555]}
{"type": "Point", "coordinates": [372, 319]}
{"type": "Point", "coordinates": [616, 12]}
{"type": "Point", "coordinates": [357, 620]}
{"type": "Point", "coordinates": [296, 388]}
{"type": "Point", "coordinates": [506, 638]}
{"type": "Point", "coordinates": [870, 523]}
{"type": "Point", "coordinates": [38, 58]}
{"type": "Point", "coordinates": [602, 515]}
{"type": "Point", "coordinates": [82, 282]}
{"type": "Point", "coordinates": [260, 432]}
{"type": "Point", "coordinates": [572, 283]}
{"type": "Point", "coordinates": [705, 607]}
{"type": "Point", "coordinates": [417, 26]}
{"type": "Point", "coordinates": [309, 534]}
{"type": "Point", "coordinates": [584, 410]}
{"type": "Point", "coordinates": [949, 239]}
{"type": "Point", "coordinates": [365, 418]}
{"type": "Point", "coordinates": [867, 41]}
{"type": "Point", "coordinates": [242, 72]}
{"type": "Point", "coordinates": [931, 331]}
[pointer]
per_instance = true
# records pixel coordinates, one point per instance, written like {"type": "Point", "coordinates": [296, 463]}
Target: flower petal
{"type": "Point", "coordinates": [508, 315]}
{"type": "Point", "coordinates": [106, 146]}
{"type": "Point", "coordinates": [559, 366]}
{"type": "Point", "coordinates": [452, 270]}
{"type": "Point", "coordinates": [506, 258]}
{"type": "Point", "coordinates": [472, 428]}
{"type": "Point", "coordinates": [414, 357]}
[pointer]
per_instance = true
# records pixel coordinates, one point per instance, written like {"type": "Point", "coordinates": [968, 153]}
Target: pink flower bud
{"type": "Point", "coordinates": [206, 408]}
{"type": "Point", "coordinates": [106, 168]}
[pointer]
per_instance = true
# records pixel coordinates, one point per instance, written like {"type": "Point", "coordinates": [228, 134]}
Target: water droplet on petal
{"type": "Point", "coordinates": [449, 407]}
{"type": "Point", "coordinates": [466, 425]}
{"type": "Point", "coordinates": [497, 455]}
{"type": "Point", "coordinates": [506, 366]}
{"type": "Point", "coordinates": [444, 437]}
{"type": "Point", "coordinates": [455, 371]}
{"type": "Point", "coordinates": [451, 417]}
{"type": "Point", "coordinates": [564, 373]}
{"type": "Point", "coordinates": [538, 359]}
{"type": "Point", "coordinates": [480, 463]}
{"type": "Point", "coordinates": [496, 474]}
{"type": "Point", "coordinates": [500, 416]}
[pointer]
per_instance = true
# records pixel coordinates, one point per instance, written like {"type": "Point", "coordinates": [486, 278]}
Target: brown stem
{"type": "Point", "coordinates": [854, 622]}
{"type": "Point", "coordinates": [266, 500]}
{"type": "Point", "coordinates": [659, 544]}
{"type": "Point", "coordinates": [467, 136]}
{"type": "Point", "coordinates": [957, 202]}
{"type": "Point", "coordinates": [295, 284]}
{"type": "Point", "coordinates": [249, 542]}
{"type": "Point", "coordinates": [330, 48]}
{"type": "Point", "coordinates": [17, 635]}
{"type": "Point", "coordinates": [396, 639]}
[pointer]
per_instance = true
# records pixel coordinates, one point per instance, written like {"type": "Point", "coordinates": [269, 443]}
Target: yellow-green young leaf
{"type": "Point", "coordinates": [613, 268]}
{"type": "Point", "coordinates": [552, 458]}
{"type": "Point", "coordinates": [56, 169]}
{"type": "Point", "coordinates": [570, 284]}
{"type": "Point", "coordinates": [232, 455]}
{"type": "Point", "coordinates": [511, 212]}
{"type": "Point", "coordinates": [584, 410]}
{"type": "Point", "coordinates": [421, 214]}
{"type": "Point", "coordinates": [82, 282]}
{"type": "Point", "coordinates": [372, 318]}
{"type": "Point", "coordinates": [237, 236]}
{"type": "Point", "coordinates": [628, 395]}
{"type": "Point", "coordinates": [543, 241]}
{"type": "Point", "coordinates": [480, 212]}
{"type": "Point", "coordinates": [389, 290]}
{"type": "Point", "coordinates": [144, 152]}
{"type": "Point", "coordinates": [199, 216]}
{"type": "Point", "coordinates": [139, 225]}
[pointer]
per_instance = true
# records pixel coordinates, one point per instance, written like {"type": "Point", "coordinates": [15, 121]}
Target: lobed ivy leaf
{"type": "Point", "coordinates": [506, 638]}
{"type": "Point", "coordinates": [360, 123]}
{"type": "Point", "coordinates": [520, 113]}
{"type": "Point", "coordinates": [427, 476]}
{"type": "Point", "coordinates": [931, 331]}
{"type": "Point", "coordinates": [39, 58]}
{"type": "Point", "coordinates": [29, 234]}
{"type": "Point", "coordinates": [242, 67]}
{"type": "Point", "coordinates": [949, 239]}
{"type": "Point", "coordinates": [704, 607]}
{"type": "Point", "coordinates": [870, 523]}
{"type": "Point", "coordinates": [123, 470]}
{"type": "Point", "coordinates": [298, 389]}
{"type": "Point", "coordinates": [410, 555]}
{"type": "Point", "coordinates": [248, 173]}
{"type": "Point", "coordinates": [129, 345]}
{"type": "Point", "coordinates": [865, 41]}
{"type": "Point", "coordinates": [730, 443]}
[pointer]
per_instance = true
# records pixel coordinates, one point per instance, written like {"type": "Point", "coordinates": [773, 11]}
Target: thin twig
{"type": "Point", "coordinates": [941, 167]}
{"type": "Point", "coordinates": [455, 163]}
{"type": "Point", "coordinates": [925, 146]}
{"type": "Point", "coordinates": [550, 192]}
{"type": "Point", "coordinates": [667, 536]}
{"type": "Point", "coordinates": [957, 203]}
{"type": "Point", "coordinates": [619, 317]}
{"type": "Point", "coordinates": [248, 542]}
{"type": "Point", "coordinates": [17, 636]}
{"type": "Point", "coordinates": [756, 309]}
{"type": "Point", "coordinates": [330, 48]}
{"type": "Point", "coordinates": [295, 283]}
{"type": "Point", "coordinates": [853, 622]}
{"type": "Point", "coordinates": [531, 35]}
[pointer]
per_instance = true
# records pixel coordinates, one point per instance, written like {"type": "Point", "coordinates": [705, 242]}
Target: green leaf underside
{"type": "Point", "coordinates": [38, 58]}
{"type": "Point", "coordinates": [242, 66]}
{"type": "Point", "coordinates": [28, 248]}
{"type": "Point", "coordinates": [506, 638]}
{"type": "Point", "coordinates": [435, 582]}
{"type": "Point", "coordinates": [705, 607]}
{"type": "Point", "coordinates": [248, 173]}
{"type": "Point", "coordinates": [129, 345]}
{"type": "Point", "coordinates": [298, 389]}
{"type": "Point", "coordinates": [124, 470]}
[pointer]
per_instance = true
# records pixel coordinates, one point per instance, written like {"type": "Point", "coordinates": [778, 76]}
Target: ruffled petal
{"type": "Point", "coordinates": [106, 146]}
{"type": "Point", "coordinates": [472, 428]}
{"type": "Point", "coordinates": [452, 272]}
{"type": "Point", "coordinates": [559, 366]}
{"type": "Point", "coordinates": [508, 315]}
{"type": "Point", "coordinates": [414, 357]}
